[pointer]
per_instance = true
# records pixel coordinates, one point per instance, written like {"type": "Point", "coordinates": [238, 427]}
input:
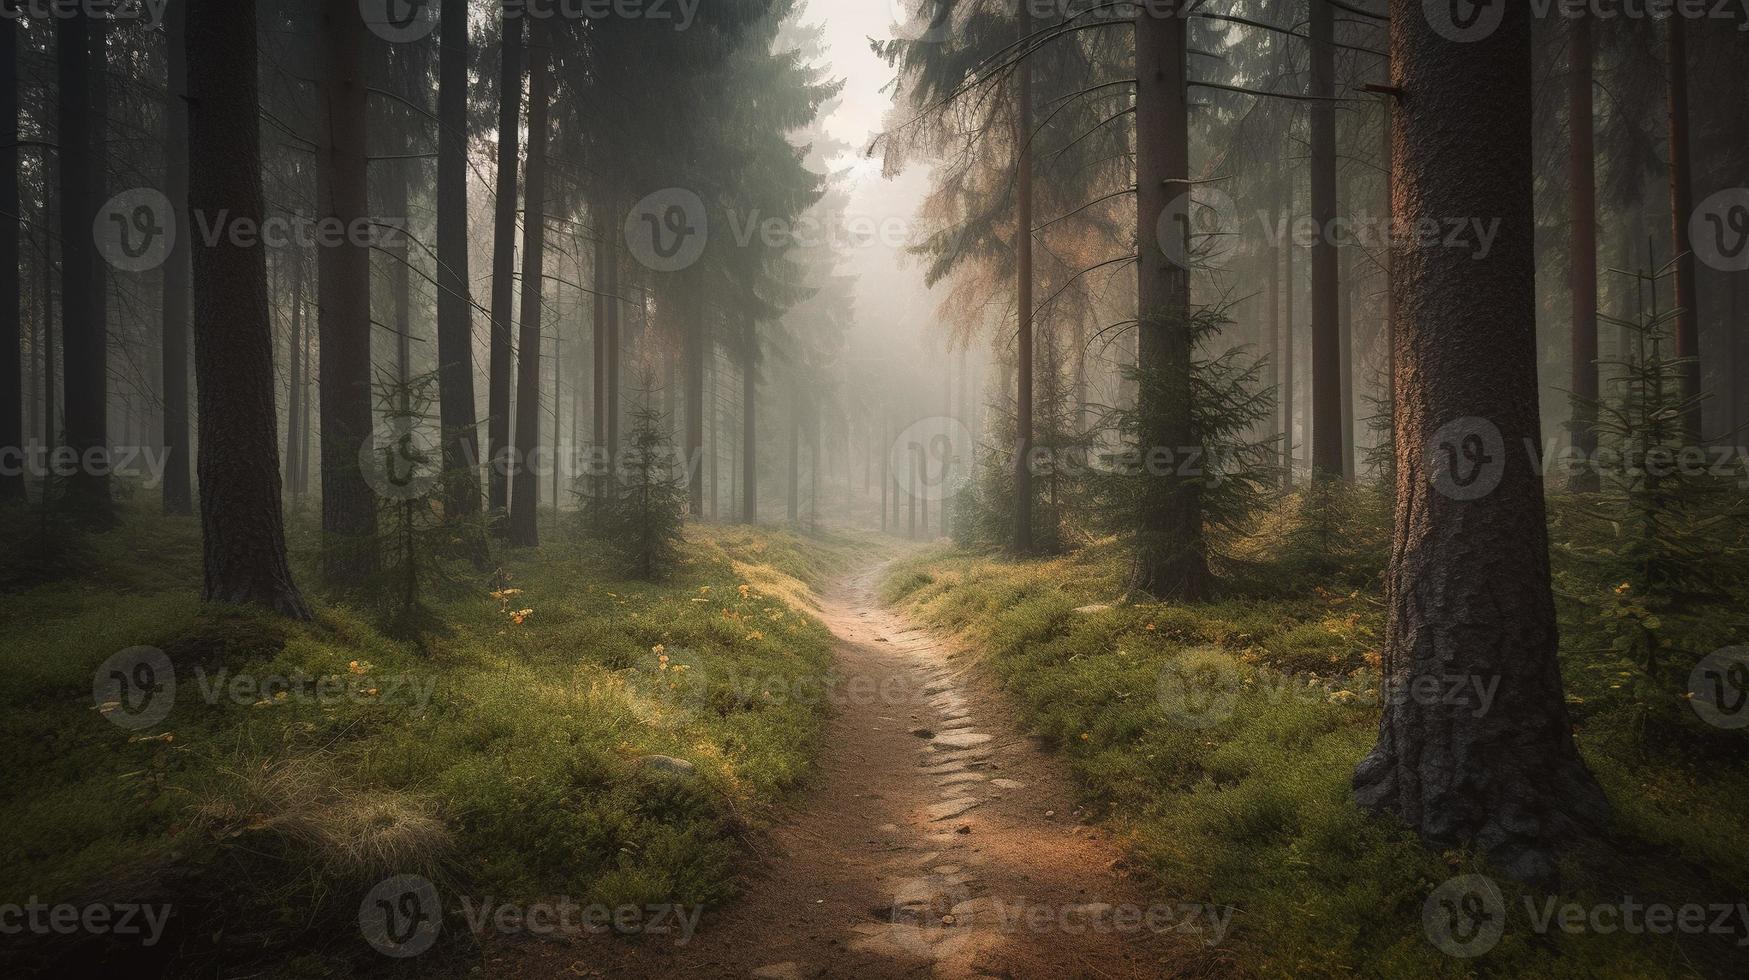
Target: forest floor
{"type": "Point", "coordinates": [936, 839]}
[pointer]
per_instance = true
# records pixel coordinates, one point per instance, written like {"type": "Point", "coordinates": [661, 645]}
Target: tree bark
{"type": "Point", "coordinates": [1022, 541]}
{"type": "Point", "coordinates": [1469, 587]}
{"type": "Point", "coordinates": [294, 435]}
{"type": "Point", "coordinates": [749, 436]}
{"type": "Point", "coordinates": [504, 266]}
{"type": "Point", "coordinates": [349, 508]}
{"type": "Point", "coordinates": [1582, 176]}
{"type": "Point", "coordinates": [179, 496]}
{"type": "Point", "coordinates": [1289, 408]}
{"type": "Point", "coordinates": [1681, 212]}
{"type": "Point", "coordinates": [242, 528]}
{"type": "Point", "coordinates": [83, 333]}
{"type": "Point", "coordinates": [1171, 560]}
{"type": "Point", "coordinates": [1328, 439]}
{"type": "Point", "coordinates": [11, 310]}
{"type": "Point", "coordinates": [694, 339]}
{"type": "Point", "coordinates": [525, 484]}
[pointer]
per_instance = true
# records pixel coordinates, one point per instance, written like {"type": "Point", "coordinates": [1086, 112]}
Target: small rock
{"type": "Point", "coordinates": [667, 764]}
{"type": "Point", "coordinates": [922, 733]}
{"type": "Point", "coordinates": [964, 828]}
{"type": "Point", "coordinates": [1050, 814]}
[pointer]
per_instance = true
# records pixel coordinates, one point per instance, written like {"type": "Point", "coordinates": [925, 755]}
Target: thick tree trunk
{"type": "Point", "coordinates": [749, 430]}
{"type": "Point", "coordinates": [1022, 541]}
{"type": "Point", "coordinates": [11, 310]}
{"type": "Point", "coordinates": [695, 342]}
{"type": "Point", "coordinates": [242, 529]}
{"type": "Point", "coordinates": [1289, 407]}
{"type": "Point", "coordinates": [179, 496]}
{"type": "Point", "coordinates": [1681, 212]}
{"type": "Point", "coordinates": [611, 357]}
{"type": "Point", "coordinates": [504, 266]}
{"type": "Point", "coordinates": [1328, 438]}
{"type": "Point", "coordinates": [349, 508]}
{"type": "Point", "coordinates": [1272, 320]}
{"type": "Point", "coordinates": [83, 334]}
{"type": "Point", "coordinates": [294, 436]}
{"type": "Point", "coordinates": [1582, 176]}
{"type": "Point", "coordinates": [1345, 347]}
{"type": "Point", "coordinates": [1471, 607]}
{"type": "Point", "coordinates": [525, 484]}
{"type": "Point", "coordinates": [1171, 560]}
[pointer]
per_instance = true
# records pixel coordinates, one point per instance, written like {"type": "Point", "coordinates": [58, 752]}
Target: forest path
{"type": "Point", "coordinates": [936, 839]}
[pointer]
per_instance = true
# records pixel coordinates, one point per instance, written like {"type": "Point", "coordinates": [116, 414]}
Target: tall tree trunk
{"type": "Point", "coordinates": [349, 508]}
{"type": "Point", "coordinates": [1171, 561]}
{"type": "Point", "coordinates": [504, 266]}
{"type": "Point", "coordinates": [693, 338]}
{"type": "Point", "coordinates": [1582, 176]}
{"type": "Point", "coordinates": [1345, 348]}
{"type": "Point", "coordinates": [242, 528]}
{"type": "Point", "coordinates": [178, 495]}
{"type": "Point", "coordinates": [11, 309]}
{"type": "Point", "coordinates": [83, 334]}
{"type": "Point", "coordinates": [795, 452]}
{"type": "Point", "coordinates": [1272, 320]}
{"type": "Point", "coordinates": [455, 314]}
{"type": "Point", "coordinates": [1328, 438]}
{"type": "Point", "coordinates": [1289, 394]}
{"type": "Point", "coordinates": [610, 369]}
{"type": "Point", "coordinates": [749, 430]}
{"type": "Point", "coordinates": [1469, 587]}
{"type": "Point", "coordinates": [524, 486]}
{"type": "Point", "coordinates": [1681, 212]}
{"type": "Point", "coordinates": [294, 435]}
{"type": "Point", "coordinates": [1022, 541]}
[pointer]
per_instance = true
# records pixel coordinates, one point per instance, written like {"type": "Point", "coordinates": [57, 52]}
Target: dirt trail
{"type": "Point", "coordinates": [937, 840]}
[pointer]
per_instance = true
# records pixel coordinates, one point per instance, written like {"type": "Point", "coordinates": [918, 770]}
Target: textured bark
{"type": "Point", "coordinates": [455, 301]}
{"type": "Point", "coordinates": [11, 311]}
{"type": "Point", "coordinates": [1470, 596]}
{"type": "Point", "coordinates": [525, 483]}
{"type": "Point", "coordinates": [242, 530]}
{"type": "Point", "coordinates": [1582, 177]}
{"type": "Point", "coordinates": [749, 428]}
{"type": "Point", "coordinates": [1289, 409]}
{"type": "Point", "coordinates": [1171, 561]}
{"type": "Point", "coordinates": [178, 495]}
{"type": "Point", "coordinates": [1272, 320]}
{"type": "Point", "coordinates": [83, 334]}
{"type": "Point", "coordinates": [349, 508]}
{"type": "Point", "coordinates": [1681, 212]}
{"type": "Point", "coordinates": [1328, 437]}
{"type": "Point", "coordinates": [504, 265]}
{"type": "Point", "coordinates": [1022, 542]}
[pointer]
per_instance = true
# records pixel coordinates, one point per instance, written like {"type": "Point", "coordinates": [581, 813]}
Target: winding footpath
{"type": "Point", "coordinates": [937, 840]}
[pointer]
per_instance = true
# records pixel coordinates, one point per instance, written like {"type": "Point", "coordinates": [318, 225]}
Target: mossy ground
{"type": "Point", "coordinates": [1253, 811]}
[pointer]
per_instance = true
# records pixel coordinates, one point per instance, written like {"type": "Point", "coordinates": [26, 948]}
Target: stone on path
{"type": "Point", "coordinates": [952, 808]}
